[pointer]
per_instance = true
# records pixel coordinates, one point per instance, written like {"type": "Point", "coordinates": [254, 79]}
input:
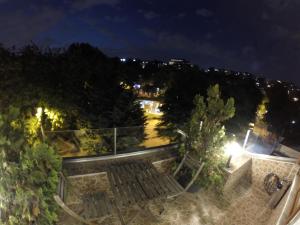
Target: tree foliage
{"type": "Point", "coordinates": [79, 83]}
{"type": "Point", "coordinates": [187, 83]}
{"type": "Point", "coordinates": [282, 111]}
{"type": "Point", "coordinates": [206, 133]}
{"type": "Point", "coordinates": [28, 174]}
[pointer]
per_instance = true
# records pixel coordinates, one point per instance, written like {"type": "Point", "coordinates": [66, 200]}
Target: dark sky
{"type": "Point", "coordinates": [259, 36]}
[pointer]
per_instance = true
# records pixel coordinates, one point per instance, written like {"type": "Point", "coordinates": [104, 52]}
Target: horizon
{"type": "Point", "coordinates": [200, 67]}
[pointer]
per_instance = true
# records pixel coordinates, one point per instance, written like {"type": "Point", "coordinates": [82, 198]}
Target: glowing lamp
{"type": "Point", "coordinates": [232, 149]}
{"type": "Point", "coordinates": [39, 112]}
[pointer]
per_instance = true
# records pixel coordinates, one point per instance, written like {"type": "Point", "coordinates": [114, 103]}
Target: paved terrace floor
{"type": "Point", "coordinates": [244, 204]}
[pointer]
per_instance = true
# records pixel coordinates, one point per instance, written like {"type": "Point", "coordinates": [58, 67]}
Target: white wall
{"type": "Point", "coordinates": [288, 151]}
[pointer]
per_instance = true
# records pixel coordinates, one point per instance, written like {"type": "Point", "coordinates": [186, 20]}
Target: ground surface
{"type": "Point", "coordinates": [152, 137]}
{"type": "Point", "coordinates": [242, 206]}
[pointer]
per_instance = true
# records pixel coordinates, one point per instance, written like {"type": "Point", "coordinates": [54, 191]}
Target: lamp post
{"type": "Point", "coordinates": [246, 139]}
{"type": "Point", "coordinates": [228, 161]}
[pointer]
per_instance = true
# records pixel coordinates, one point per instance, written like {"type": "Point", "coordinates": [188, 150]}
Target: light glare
{"type": "Point", "coordinates": [233, 149]}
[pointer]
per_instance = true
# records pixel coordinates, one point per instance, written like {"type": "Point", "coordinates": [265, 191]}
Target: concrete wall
{"type": "Point", "coordinates": [88, 165]}
{"type": "Point", "coordinates": [238, 174]}
{"type": "Point", "coordinates": [292, 153]}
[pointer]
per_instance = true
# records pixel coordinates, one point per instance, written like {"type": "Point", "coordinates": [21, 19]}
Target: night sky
{"type": "Point", "coordinates": [258, 36]}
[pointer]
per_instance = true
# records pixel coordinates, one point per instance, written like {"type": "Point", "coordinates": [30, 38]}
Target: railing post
{"type": "Point", "coordinates": [246, 139]}
{"type": "Point", "coordinates": [115, 141]}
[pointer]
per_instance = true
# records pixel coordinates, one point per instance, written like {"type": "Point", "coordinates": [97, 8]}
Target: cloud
{"type": "Point", "coordinates": [85, 4]}
{"type": "Point", "coordinates": [115, 19]}
{"type": "Point", "coordinates": [208, 35]}
{"type": "Point", "coordinates": [181, 15]}
{"type": "Point", "coordinates": [280, 4]}
{"type": "Point", "coordinates": [204, 12]}
{"type": "Point", "coordinates": [201, 50]}
{"type": "Point", "coordinates": [248, 50]}
{"type": "Point", "coordinates": [21, 27]}
{"type": "Point", "coordinates": [149, 15]}
{"type": "Point", "coordinates": [265, 16]}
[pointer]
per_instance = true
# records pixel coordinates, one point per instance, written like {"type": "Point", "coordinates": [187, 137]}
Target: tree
{"type": "Point", "coordinates": [283, 112]}
{"type": "Point", "coordinates": [80, 83]}
{"type": "Point", "coordinates": [178, 100]}
{"type": "Point", "coordinates": [28, 174]}
{"type": "Point", "coordinates": [206, 133]}
{"type": "Point", "coordinates": [247, 97]}
{"type": "Point", "coordinates": [185, 84]}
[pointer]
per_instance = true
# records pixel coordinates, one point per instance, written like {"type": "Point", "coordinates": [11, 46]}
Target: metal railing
{"type": "Point", "coordinates": [255, 143]}
{"type": "Point", "coordinates": [104, 141]}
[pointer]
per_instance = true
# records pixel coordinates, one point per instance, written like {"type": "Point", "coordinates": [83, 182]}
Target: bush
{"type": "Point", "coordinates": [28, 174]}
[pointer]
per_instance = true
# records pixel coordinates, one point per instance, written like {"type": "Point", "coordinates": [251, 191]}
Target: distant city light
{"type": "Point", "coordinates": [268, 85]}
{"type": "Point", "coordinates": [123, 60]}
{"type": "Point", "coordinates": [134, 60]}
{"type": "Point", "coordinates": [293, 122]}
{"type": "Point", "coordinates": [295, 99]}
{"type": "Point", "coordinates": [136, 86]}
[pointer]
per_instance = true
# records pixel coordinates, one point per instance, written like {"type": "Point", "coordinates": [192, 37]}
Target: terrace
{"type": "Point", "coordinates": [245, 201]}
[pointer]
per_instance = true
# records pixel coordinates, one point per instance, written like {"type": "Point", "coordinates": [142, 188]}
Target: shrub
{"type": "Point", "coordinates": [28, 174]}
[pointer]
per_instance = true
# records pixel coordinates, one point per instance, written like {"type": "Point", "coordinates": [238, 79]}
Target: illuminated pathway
{"type": "Point", "coordinates": [152, 137]}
